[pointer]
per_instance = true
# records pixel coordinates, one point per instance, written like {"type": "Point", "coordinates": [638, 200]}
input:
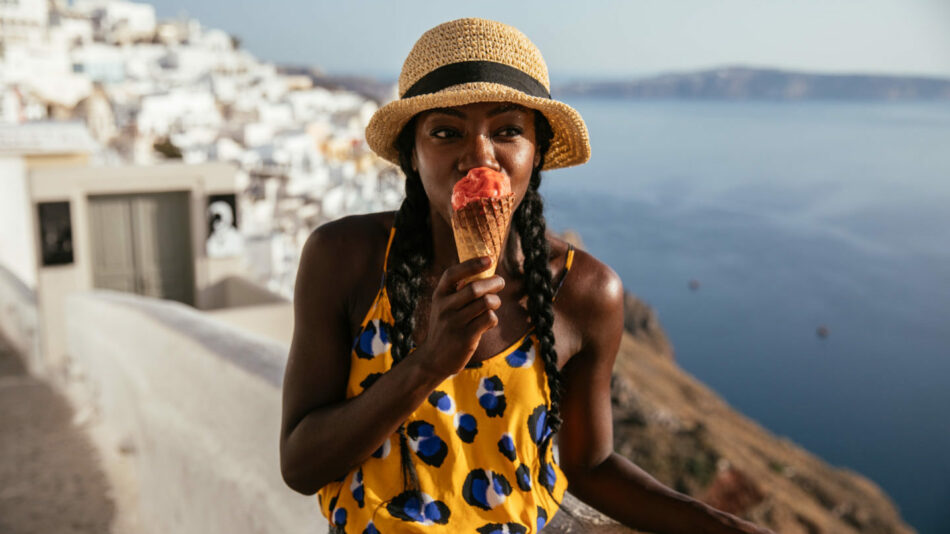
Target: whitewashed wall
{"type": "Point", "coordinates": [18, 318]}
{"type": "Point", "coordinates": [199, 403]}
{"type": "Point", "coordinates": [17, 250]}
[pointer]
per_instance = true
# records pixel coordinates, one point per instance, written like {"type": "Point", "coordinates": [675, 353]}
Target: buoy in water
{"type": "Point", "coordinates": [822, 331]}
{"type": "Point", "coordinates": [693, 284]}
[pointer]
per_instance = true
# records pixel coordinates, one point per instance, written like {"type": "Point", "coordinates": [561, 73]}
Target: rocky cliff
{"type": "Point", "coordinates": [689, 438]}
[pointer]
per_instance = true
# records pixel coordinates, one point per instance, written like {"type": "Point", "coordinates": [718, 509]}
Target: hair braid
{"type": "Point", "coordinates": [410, 254]}
{"type": "Point", "coordinates": [531, 226]}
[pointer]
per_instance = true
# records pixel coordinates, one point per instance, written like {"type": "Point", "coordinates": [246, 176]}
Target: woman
{"type": "Point", "coordinates": [416, 403]}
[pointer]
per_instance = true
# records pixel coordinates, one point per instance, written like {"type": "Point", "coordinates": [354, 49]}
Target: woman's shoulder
{"type": "Point", "coordinates": [586, 271]}
{"type": "Point", "coordinates": [348, 248]}
{"type": "Point", "coordinates": [591, 294]}
{"type": "Point", "coordinates": [354, 238]}
{"type": "Point", "coordinates": [372, 222]}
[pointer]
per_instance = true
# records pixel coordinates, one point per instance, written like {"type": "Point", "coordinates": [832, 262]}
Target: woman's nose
{"type": "Point", "coordinates": [479, 152]}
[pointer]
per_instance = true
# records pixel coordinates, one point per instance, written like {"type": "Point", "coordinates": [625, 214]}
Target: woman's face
{"type": "Point", "coordinates": [451, 141]}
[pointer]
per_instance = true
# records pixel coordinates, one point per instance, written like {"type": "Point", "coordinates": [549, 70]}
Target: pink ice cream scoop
{"type": "Point", "coordinates": [480, 182]}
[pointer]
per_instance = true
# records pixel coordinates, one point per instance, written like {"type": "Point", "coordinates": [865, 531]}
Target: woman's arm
{"type": "Point", "coordinates": [596, 474]}
{"type": "Point", "coordinates": [324, 435]}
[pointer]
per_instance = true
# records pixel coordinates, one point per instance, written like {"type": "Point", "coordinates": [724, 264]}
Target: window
{"type": "Point", "coordinates": [56, 233]}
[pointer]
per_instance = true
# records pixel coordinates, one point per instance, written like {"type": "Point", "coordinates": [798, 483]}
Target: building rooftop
{"type": "Point", "coordinates": [46, 138]}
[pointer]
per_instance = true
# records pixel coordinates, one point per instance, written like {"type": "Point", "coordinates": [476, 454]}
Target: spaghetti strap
{"type": "Point", "coordinates": [392, 232]}
{"type": "Point", "coordinates": [382, 279]}
{"type": "Point", "coordinates": [567, 267]}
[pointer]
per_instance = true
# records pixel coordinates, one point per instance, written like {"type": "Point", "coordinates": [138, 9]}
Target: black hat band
{"type": "Point", "coordinates": [477, 71]}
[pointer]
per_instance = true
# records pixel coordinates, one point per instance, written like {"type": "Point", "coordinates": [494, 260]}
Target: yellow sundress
{"type": "Point", "coordinates": [477, 445]}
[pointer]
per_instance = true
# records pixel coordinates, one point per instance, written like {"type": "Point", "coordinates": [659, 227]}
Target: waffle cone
{"type": "Point", "coordinates": [480, 229]}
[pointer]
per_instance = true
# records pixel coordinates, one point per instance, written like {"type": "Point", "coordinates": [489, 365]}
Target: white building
{"type": "Point", "coordinates": [166, 231]}
{"type": "Point", "coordinates": [69, 29]}
{"type": "Point", "coordinates": [23, 21]}
{"type": "Point", "coordinates": [321, 102]}
{"type": "Point", "coordinates": [23, 148]}
{"type": "Point", "coordinates": [300, 147]}
{"type": "Point", "coordinates": [118, 21]}
{"type": "Point", "coordinates": [181, 109]}
{"type": "Point", "coordinates": [11, 105]}
{"type": "Point", "coordinates": [99, 62]}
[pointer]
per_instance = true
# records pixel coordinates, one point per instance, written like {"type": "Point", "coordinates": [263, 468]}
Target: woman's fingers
{"type": "Point", "coordinates": [482, 323]}
{"type": "Point", "coordinates": [456, 273]}
{"type": "Point", "coordinates": [473, 291]}
{"type": "Point", "coordinates": [477, 307]}
{"type": "Point", "coordinates": [459, 317]}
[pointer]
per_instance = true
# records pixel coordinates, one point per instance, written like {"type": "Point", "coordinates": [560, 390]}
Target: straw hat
{"type": "Point", "coordinates": [476, 60]}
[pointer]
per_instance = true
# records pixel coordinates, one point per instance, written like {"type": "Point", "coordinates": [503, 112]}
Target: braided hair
{"type": "Point", "coordinates": [411, 253]}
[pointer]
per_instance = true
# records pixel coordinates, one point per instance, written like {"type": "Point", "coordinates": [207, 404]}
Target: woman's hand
{"type": "Point", "coordinates": [458, 317]}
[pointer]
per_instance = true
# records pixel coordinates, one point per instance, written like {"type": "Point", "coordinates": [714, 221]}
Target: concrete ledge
{"type": "Point", "coordinates": [236, 291]}
{"type": "Point", "coordinates": [271, 321]}
{"type": "Point", "coordinates": [197, 404]}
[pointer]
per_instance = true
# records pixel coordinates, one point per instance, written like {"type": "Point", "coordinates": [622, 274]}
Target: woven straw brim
{"type": "Point", "coordinates": [570, 145]}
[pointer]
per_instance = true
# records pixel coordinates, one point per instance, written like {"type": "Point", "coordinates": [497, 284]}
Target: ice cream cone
{"type": "Point", "coordinates": [480, 229]}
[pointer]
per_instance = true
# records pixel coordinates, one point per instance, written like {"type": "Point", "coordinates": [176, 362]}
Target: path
{"type": "Point", "coordinates": [50, 479]}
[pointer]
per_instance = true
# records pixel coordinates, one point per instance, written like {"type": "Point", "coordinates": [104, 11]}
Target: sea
{"type": "Point", "coordinates": [750, 225]}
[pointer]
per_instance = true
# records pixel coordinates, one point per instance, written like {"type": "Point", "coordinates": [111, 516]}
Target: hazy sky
{"type": "Point", "coordinates": [601, 38]}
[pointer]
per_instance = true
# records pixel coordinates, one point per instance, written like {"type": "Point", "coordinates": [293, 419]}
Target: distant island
{"type": "Point", "coordinates": [745, 83]}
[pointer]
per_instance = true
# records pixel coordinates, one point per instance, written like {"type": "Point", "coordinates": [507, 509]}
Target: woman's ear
{"type": "Point", "coordinates": [537, 157]}
{"type": "Point", "coordinates": [413, 159]}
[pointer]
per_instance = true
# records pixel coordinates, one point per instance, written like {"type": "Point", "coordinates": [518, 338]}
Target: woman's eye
{"type": "Point", "coordinates": [510, 131]}
{"type": "Point", "coordinates": [443, 133]}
